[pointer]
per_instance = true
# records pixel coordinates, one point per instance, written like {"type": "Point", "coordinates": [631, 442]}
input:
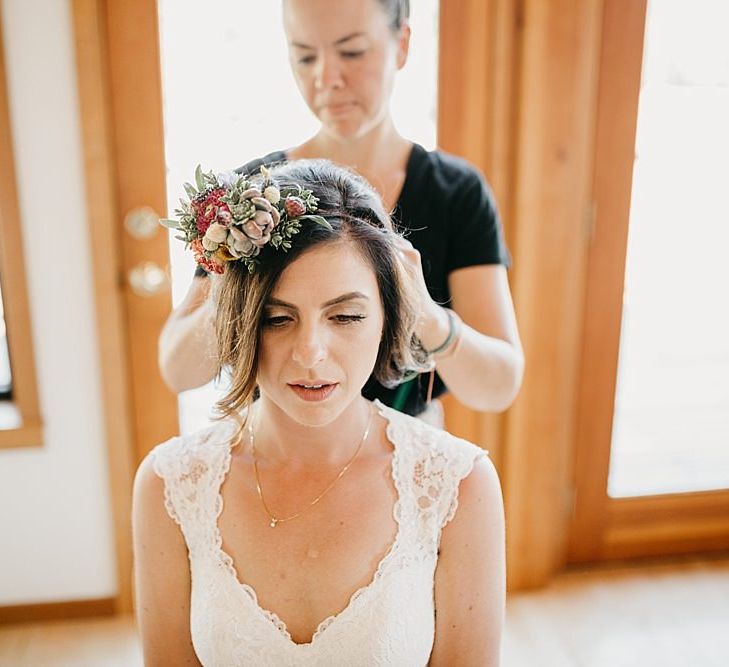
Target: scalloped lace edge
{"type": "Point", "coordinates": [469, 459]}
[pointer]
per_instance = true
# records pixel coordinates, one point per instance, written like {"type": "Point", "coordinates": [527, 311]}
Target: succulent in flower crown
{"type": "Point", "coordinates": [229, 218]}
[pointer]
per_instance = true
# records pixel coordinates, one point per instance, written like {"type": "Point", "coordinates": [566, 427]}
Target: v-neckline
{"type": "Point", "coordinates": [322, 626]}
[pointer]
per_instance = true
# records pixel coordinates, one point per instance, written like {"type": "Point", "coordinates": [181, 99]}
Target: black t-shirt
{"type": "Point", "coordinates": [447, 211]}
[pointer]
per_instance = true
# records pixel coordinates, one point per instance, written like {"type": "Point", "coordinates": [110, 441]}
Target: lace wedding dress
{"type": "Point", "coordinates": [391, 621]}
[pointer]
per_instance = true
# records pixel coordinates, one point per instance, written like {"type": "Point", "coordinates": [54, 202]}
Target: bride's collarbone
{"type": "Point", "coordinates": [310, 566]}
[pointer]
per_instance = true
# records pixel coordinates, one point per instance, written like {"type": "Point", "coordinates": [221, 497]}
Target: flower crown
{"type": "Point", "coordinates": [228, 218]}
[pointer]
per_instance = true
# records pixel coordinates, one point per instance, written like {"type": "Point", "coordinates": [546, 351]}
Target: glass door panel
{"type": "Point", "coordinates": [671, 422]}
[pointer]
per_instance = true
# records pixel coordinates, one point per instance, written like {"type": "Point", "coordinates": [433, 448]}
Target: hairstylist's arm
{"type": "Point", "coordinates": [186, 350]}
{"type": "Point", "coordinates": [486, 370]}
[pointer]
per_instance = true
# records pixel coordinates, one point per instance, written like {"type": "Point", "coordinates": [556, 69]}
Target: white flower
{"type": "Point", "coordinates": [227, 178]}
{"type": "Point", "coordinates": [253, 191]}
{"type": "Point", "coordinates": [272, 194]}
{"type": "Point", "coordinates": [209, 245]}
{"type": "Point", "coordinates": [216, 233]}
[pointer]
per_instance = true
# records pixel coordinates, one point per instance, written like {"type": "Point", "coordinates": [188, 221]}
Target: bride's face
{"type": "Point", "coordinates": [321, 334]}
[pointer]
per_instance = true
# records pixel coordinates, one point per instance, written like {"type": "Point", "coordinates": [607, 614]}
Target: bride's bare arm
{"type": "Point", "coordinates": [470, 578]}
{"type": "Point", "coordinates": [186, 345]}
{"type": "Point", "coordinates": [161, 576]}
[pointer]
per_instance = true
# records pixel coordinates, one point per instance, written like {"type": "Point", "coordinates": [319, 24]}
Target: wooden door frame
{"type": "Point", "coordinates": [477, 99]}
{"type": "Point", "coordinates": [603, 527]}
{"type": "Point", "coordinates": [115, 41]}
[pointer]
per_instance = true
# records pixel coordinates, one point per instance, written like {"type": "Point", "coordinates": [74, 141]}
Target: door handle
{"type": "Point", "coordinates": [147, 279]}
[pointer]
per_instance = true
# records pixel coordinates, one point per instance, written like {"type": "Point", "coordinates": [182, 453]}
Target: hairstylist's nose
{"type": "Point", "coordinates": [309, 348]}
{"type": "Point", "coordinates": [328, 73]}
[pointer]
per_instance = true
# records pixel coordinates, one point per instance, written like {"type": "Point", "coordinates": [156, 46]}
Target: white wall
{"type": "Point", "coordinates": [56, 540]}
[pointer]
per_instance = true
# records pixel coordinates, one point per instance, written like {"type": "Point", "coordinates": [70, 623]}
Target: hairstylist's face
{"type": "Point", "coordinates": [321, 334]}
{"type": "Point", "coordinates": [344, 57]}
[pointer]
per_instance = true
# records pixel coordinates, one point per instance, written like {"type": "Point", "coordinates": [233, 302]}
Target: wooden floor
{"type": "Point", "coordinates": [662, 615]}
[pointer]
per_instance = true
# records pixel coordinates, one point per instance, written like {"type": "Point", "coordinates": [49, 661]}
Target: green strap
{"type": "Point", "coordinates": [401, 396]}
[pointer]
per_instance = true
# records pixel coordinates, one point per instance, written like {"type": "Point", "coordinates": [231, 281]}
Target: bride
{"type": "Point", "coordinates": [310, 526]}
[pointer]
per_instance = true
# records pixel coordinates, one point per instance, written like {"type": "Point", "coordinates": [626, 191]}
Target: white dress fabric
{"type": "Point", "coordinates": [391, 621]}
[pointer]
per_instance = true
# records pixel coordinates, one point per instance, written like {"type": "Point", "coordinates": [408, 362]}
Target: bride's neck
{"type": "Point", "coordinates": [280, 440]}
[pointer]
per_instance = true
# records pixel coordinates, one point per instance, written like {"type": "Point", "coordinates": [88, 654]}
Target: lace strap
{"type": "Point", "coordinates": [192, 468]}
{"type": "Point", "coordinates": [431, 465]}
{"type": "Point", "coordinates": [464, 455]}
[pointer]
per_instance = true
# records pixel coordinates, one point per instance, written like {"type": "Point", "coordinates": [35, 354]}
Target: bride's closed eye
{"type": "Point", "coordinates": [348, 319]}
{"type": "Point", "coordinates": [278, 321]}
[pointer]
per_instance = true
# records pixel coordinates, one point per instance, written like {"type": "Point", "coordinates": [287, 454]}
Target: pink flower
{"type": "Point", "coordinates": [294, 207]}
{"type": "Point", "coordinates": [252, 230]}
{"type": "Point", "coordinates": [264, 221]}
{"type": "Point", "coordinates": [259, 243]}
{"type": "Point", "coordinates": [258, 227]}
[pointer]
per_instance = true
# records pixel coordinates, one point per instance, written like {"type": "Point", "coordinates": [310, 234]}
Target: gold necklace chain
{"type": "Point", "coordinates": [275, 520]}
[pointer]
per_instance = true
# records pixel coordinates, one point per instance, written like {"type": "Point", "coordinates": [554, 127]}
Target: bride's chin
{"type": "Point", "coordinates": [316, 415]}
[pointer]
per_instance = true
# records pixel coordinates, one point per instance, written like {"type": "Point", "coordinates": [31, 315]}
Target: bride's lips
{"type": "Point", "coordinates": [313, 390]}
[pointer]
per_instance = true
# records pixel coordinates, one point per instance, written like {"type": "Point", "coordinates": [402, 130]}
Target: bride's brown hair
{"type": "Point", "coordinates": [357, 217]}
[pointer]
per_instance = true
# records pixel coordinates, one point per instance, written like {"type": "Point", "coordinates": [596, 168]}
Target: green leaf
{"type": "Point", "coordinates": [191, 191]}
{"type": "Point", "coordinates": [317, 219]}
{"type": "Point", "coordinates": [170, 224]}
{"type": "Point", "coordinates": [199, 178]}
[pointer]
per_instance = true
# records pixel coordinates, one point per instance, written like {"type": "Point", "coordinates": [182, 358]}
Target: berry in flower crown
{"type": "Point", "coordinates": [230, 218]}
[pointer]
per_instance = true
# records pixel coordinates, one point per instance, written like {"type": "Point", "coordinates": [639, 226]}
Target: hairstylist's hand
{"type": "Point", "coordinates": [433, 322]}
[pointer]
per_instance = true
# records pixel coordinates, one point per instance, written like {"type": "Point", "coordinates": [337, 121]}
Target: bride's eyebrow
{"type": "Point", "coordinates": [349, 296]}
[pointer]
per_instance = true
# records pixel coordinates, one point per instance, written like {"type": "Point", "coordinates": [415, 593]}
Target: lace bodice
{"type": "Point", "coordinates": [391, 621]}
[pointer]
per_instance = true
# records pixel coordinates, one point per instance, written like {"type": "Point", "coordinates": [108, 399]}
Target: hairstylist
{"type": "Point", "coordinates": [345, 55]}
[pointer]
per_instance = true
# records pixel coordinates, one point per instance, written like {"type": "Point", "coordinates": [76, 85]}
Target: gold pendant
{"type": "Point", "coordinates": [273, 523]}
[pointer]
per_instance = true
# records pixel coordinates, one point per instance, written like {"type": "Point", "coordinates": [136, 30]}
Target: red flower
{"type": "Point", "coordinates": [206, 206]}
{"type": "Point", "coordinates": [208, 263]}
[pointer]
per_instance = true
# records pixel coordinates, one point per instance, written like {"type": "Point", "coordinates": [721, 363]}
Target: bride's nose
{"type": "Point", "coordinates": [309, 345]}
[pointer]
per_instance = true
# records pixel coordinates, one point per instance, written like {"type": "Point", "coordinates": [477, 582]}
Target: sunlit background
{"type": "Point", "coordinates": [671, 426]}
